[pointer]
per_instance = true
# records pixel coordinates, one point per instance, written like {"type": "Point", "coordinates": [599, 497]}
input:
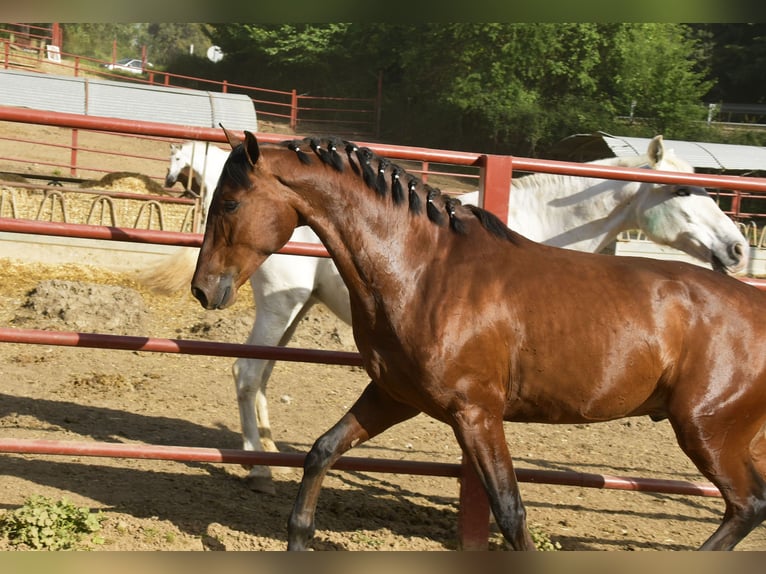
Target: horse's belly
{"type": "Point", "coordinates": [585, 397]}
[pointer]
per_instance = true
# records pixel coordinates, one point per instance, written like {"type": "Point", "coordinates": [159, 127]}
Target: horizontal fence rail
{"type": "Point", "coordinates": [420, 468]}
{"type": "Point", "coordinates": [496, 174]}
{"type": "Point", "coordinates": [184, 346]}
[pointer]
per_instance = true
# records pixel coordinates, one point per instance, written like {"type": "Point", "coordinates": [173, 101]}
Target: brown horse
{"type": "Point", "coordinates": [459, 317]}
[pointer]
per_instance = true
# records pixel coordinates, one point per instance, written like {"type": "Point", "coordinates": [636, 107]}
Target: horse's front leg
{"type": "Point", "coordinates": [373, 412]}
{"type": "Point", "coordinates": [482, 438]}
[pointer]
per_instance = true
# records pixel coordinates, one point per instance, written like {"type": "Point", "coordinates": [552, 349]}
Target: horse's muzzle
{"type": "Point", "coordinates": [734, 260]}
{"type": "Point", "coordinates": [219, 295]}
{"type": "Point", "coordinates": [170, 181]}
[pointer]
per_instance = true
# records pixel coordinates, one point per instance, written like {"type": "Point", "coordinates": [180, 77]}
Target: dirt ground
{"type": "Point", "coordinates": [131, 397]}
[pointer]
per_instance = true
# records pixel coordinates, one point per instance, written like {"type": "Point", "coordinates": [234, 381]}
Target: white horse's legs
{"type": "Point", "coordinates": [282, 289]}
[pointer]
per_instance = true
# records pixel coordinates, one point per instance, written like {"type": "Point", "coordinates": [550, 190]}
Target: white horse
{"type": "Point", "coordinates": [579, 213]}
{"type": "Point", "coordinates": [204, 161]}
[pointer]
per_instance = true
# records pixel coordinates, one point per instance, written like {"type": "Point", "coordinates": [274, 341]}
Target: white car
{"type": "Point", "coordinates": [132, 65]}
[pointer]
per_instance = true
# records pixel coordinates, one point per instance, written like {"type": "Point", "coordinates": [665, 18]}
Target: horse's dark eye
{"type": "Point", "coordinates": [683, 192]}
{"type": "Point", "coordinates": [230, 206]}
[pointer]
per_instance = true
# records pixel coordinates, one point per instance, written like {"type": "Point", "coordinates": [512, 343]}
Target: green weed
{"type": "Point", "coordinates": [42, 524]}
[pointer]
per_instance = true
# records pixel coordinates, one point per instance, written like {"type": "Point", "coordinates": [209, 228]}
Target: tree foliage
{"type": "Point", "coordinates": [163, 42]}
{"type": "Point", "coordinates": [497, 87]}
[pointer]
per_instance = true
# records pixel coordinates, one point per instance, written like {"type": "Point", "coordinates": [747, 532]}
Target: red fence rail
{"type": "Point", "coordinates": [496, 173]}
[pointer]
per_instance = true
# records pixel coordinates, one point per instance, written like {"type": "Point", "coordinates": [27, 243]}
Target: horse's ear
{"type": "Point", "coordinates": [251, 148]}
{"type": "Point", "coordinates": [656, 150]}
{"type": "Point", "coordinates": [233, 140]}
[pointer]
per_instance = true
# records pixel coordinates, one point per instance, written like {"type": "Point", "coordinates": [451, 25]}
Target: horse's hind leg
{"type": "Point", "coordinates": [373, 412]}
{"type": "Point", "coordinates": [483, 443]}
{"type": "Point", "coordinates": [251, 375]}
{"type": "Point", "coordinates": [736, 464]}
{"type": "Point", "coordinates": [277, 316]}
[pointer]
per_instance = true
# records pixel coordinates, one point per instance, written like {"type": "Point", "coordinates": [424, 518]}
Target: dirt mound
{"type": "Point", "coordinates": [85, 307]}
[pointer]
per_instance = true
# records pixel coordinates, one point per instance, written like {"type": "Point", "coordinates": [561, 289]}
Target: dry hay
{"type": "Point", "coordinates": [126, 181]}
{"type": "Point", "coordinates": [12, 177]}
{"type": "Point", "coordinates": [64, 204]}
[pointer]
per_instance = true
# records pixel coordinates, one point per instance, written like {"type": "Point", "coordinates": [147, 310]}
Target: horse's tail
{"type": "Point", "coordinates": [171, 274]}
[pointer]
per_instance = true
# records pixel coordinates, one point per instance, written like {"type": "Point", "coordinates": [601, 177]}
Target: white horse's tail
{"type": "Point", "coordinates": [172, 274]}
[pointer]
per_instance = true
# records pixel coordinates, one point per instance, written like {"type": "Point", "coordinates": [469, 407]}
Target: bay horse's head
{"type": "Point", "coordinates": [250, 217]}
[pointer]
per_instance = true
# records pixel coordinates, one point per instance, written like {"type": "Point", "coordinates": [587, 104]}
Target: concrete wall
{"type": "Point", "coordinates": [118, 256]}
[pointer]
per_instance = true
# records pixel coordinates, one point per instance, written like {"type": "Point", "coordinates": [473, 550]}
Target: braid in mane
{"type": "Point", "coordinates": [314, 145]}
{"type": "Point", "coordinates": [433, 212]}
{"type": "Point", "coordinates": [458, 226]}
{"type": "Point", "coordinates": [380, 182]}
{"type": "Point", "coordinates": [351, 149]}
{"type": "Point", "coordinates": [332, 148]}
{"type": "Point", "coordinates": [397, 193]}
{"type": "Point", "coordinates": [295, 146]}
{"type": "Point", "coordinates": [414, 199]}
{"type": "Point", "coordinates": [364, 155]}
{"type": "Point", "coordinates": [328, 156]}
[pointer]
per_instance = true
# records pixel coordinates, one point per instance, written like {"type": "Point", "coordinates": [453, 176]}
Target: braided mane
{"type": "Point", "coordinates": [383, 177]}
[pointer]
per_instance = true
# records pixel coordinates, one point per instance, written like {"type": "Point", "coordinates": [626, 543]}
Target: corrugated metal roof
{"type": "Point", "coordinates": [27, 90]}
{"type": "Point", "coordinates": [96, 97]}
{"type": "Point", "coordinates": [701, 155]}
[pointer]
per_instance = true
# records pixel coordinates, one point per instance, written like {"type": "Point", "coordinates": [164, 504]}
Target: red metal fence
{"type": "Point", "coordinates": [359, 117]}
{"type": "Point", "coordinates": [496, 173]}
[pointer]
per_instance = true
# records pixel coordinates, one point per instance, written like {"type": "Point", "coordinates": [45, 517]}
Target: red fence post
{"type": "Point", "coordinates": [293, 110]}
{"type": "Point", "coordinates": [56, 37]}
{"type": "Point", "coordinates": [473, 514]}
{"type": "Point", "coordinates": [495, 184]}
{"type": "Point", "coordinates": [473, 511]}
{"type": "Point", "coordinates": [73, 154]}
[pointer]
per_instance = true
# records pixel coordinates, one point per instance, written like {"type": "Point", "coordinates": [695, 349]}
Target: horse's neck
{"type": "Point", "coordinates": [372, 246]}
{"type": "Point", "coordinates": [579, 213]}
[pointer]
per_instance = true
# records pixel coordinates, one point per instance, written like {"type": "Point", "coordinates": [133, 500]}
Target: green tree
{"type": "Point", "coordinates": [501, 87]}
{"type": "Point", "coordinates": [737, 54]}
{"type": "Point", "coordinates": [163, 42]}
{"type": "Point", "coordinates": [657, 70]}
{"type": "Point", "coordinates": [303, 56]}
{"type": "Point", "coordinates": [166, 41]}
{"type": "Point", "coordinates": [507, 81]}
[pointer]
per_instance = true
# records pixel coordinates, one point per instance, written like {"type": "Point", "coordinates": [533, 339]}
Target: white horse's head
{"type": "Point", "coordinates": [198, 164]}
{"type": "Point", "coordinates": [180, 166]}
{"type": "Point", "coordinates": [687, 218]}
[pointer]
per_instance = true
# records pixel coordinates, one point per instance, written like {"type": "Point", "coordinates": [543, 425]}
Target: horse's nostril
{"type": "Point", "coordinates": [199, 295]}
{"type": "Point", "coordinates": [738, 250]}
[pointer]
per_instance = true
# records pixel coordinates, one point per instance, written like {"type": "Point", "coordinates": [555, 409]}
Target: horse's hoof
{"type": "Point", "coordinates": [269, 445]}
{"type": "Point", "coordinates": [262, 484]}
